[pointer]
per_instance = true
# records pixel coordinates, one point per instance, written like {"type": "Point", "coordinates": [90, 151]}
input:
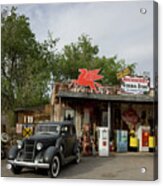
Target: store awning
{"type": "Point", "coordinates": [104, 97]}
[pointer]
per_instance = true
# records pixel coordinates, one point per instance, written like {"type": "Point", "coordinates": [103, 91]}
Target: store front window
{"type": "Point", "coordinates": [69, 115]}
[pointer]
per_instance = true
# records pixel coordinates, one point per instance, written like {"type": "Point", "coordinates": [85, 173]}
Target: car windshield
{"type": "Point", "coordinates": [47, 128]}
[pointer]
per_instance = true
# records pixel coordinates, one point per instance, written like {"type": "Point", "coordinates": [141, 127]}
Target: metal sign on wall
{"type": "Point", "coordinates": [88, 78]}
{"type": "Point", "coordinates": [135, 85]}
{"type": "Point", "coordinates": [123, 73]}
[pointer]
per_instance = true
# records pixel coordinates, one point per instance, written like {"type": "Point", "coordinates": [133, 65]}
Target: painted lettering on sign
{"type": "Point", "coordinates": [135, 85]}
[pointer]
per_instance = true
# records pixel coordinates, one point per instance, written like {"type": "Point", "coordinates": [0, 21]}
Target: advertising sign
{"type": "Point", "coordinates": [130, 117]}
{"type": "Point", "coordinates": [27, 131]}
{"type": "Point", "coordinates": [135, 85]}
{"type": "Point", "coordinates": [123, 73]}
{"type": "Point", "coordinates": [88, 78]}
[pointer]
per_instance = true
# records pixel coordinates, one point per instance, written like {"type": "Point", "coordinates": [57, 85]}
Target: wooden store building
{"type": "Point", "coordinates": [107, 108]}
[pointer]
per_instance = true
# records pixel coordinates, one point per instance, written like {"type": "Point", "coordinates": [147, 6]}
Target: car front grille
{"type": "Point", "coordinates": [29, 150]}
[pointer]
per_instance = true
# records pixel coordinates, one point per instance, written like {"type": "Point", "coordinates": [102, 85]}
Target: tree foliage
{"type": "Point", "coordinates": [83, 54]}
{"type": "Point", "coordinates": [26, 63]}
{"type": "Point", "coordinates": [75, 56]}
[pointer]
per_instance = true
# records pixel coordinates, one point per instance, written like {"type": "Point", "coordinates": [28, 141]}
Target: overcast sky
{"type": "Point", "coordinates": [118, 28]}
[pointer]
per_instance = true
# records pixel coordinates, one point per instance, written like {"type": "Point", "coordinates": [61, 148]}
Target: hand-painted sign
{"type": "Point", "coordinates": [88, 78]}
{"type": "Point", "coordinates": [123, 73]}
{"type": "Point", "coordinates": [130, 117]}
{"type": "Point", "coordinates": [135, 85]}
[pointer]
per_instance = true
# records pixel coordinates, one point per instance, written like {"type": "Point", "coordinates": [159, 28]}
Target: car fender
{"type": "Point", "coordinates": [13, 152]}
{"type": "Point", "coordinates": [50, 152]}
{"type": "Point", "coordinates": [58, 142]}
{"type": "Point", "coordinates": [76, 146]}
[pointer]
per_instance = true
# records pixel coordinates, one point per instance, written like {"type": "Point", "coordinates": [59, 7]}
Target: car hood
{"type": "Point", "coordinates": [48, 139]}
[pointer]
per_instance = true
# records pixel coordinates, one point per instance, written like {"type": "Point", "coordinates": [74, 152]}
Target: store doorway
{"type": "Point", "coordinates": [93, 117]}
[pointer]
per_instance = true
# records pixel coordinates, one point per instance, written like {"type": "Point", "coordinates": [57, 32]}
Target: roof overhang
{"type": "Point", "coordinates": [103, 97]}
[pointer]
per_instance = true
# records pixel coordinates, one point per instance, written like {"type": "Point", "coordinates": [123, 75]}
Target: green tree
{"type": "Point", "coordinates": [83, 54]}
{"type": "Point", "coordinates": [110, 67]}
{"type": "Point", "coordinates": [26, 63]}
{"type": "Point", "coordinates": [74, 56]}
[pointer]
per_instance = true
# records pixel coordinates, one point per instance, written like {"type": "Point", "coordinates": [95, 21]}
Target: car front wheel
{"type": "Point", "coordinates": [16, 169]}
{"type": "Point", "coordinates": [78, 156]}
{"type": "Point", "coordinates": [55, 167]}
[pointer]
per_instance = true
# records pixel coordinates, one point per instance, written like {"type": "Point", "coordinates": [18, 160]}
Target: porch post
{"type": "Point", "coordinates": [109, 116]}
{"type": "Point", "coordinates": [109, 126]}
{"type": "Point", "coordinates": [60, 109]}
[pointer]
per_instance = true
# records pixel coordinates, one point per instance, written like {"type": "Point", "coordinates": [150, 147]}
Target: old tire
{"type": "Point", "coordinates": [78, 156]}
{"type": "Point", "coordinates": [55, 167]}
{"type": "Point", "coordinates": [16, 169]}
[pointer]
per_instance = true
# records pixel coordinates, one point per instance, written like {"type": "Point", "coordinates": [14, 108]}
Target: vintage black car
{"type": "Point", "coordinates": [53, 145]}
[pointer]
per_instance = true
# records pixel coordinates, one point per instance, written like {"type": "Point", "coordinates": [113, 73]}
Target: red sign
{"type": "Point", "coordinates": [130, 116]}
{"type": "Point", "coordinates": [135, 79]}
{"type": "Point", "coordinates": [88, 78]}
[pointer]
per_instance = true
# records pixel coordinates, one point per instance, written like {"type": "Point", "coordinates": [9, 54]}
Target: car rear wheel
{"type": "Point", "coordinates": [16, 169]}
{"type": "Point", "coordinates": [55, 167]}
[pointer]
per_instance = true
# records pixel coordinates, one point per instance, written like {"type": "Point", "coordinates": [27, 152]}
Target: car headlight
{"type": "Point", "coordinates": [20, 144]}
{"type": "Point", "coordinates": [39, 146]}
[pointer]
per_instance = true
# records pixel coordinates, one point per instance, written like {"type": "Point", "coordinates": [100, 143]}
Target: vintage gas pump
{"type": "Point", "coordinates": [103, 141]}
{"type": "Point", "coordinates": [143, 136]}
{"type": "Point", "coordinates": [152, 143]}
{"type": "Point", "coordinates": [133, 141]}
{"type": "Point", "coordinates": [122, 140]}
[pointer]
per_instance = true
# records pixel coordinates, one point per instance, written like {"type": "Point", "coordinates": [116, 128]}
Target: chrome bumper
{"type": "Point", "coordinates": [29, 164]}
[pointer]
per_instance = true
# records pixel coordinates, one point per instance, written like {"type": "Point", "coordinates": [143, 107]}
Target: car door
{"type": "Point", "coordinates": [70, 140]}
{"type": "Point", "coordinates": [73, 138]}
{"type": "Point", "coordinates": [67, 139]}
